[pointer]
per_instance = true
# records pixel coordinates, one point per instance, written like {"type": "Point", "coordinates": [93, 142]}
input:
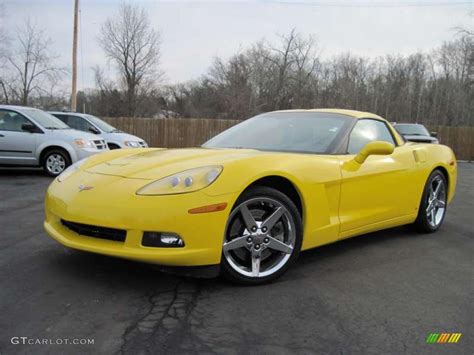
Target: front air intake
{"type": "Point", "coordinates": [117, 235]}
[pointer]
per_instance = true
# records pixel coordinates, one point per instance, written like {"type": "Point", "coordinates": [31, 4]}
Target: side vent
{"type": "Point", "coordinates": [420, 155]}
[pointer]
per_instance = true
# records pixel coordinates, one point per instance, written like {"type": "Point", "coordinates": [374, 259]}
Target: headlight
{"type": "Point", "coordinates": [82, 143]}
{"type": "Point", "coordinates": [183, 182]}
{"type": "Point", "coordinates": [66, 173]}
{"type": "Point", "coordinates": [132, 144]}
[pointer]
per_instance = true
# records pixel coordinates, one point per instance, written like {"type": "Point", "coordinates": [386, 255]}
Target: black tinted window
{"type": "Point", "coordinates": [366, 131]}
{"type": "Point", "coordinates": [63, 118]}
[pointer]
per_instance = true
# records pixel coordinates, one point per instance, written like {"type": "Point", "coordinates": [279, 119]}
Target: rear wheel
{"type": "Point", "coordinates": [55, 162]}
{"type": "Point", "coordinates": [263, 237]}
{"type": "Point", "coordinates": [433, 203]}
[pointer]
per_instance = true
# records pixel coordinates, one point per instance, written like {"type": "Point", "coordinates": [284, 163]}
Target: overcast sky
{"type": "Point", "coordinates": [194, 32]}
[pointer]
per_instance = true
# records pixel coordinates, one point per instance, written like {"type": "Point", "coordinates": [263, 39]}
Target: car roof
{"type": "Point", "coordinates": [17, 107]}
{"type": "Point", "coordinates": [351, 113]}
{"type": "Point", "coordinates": [66, 113]}
{"type": "Point", "coordinates": [408, 124]}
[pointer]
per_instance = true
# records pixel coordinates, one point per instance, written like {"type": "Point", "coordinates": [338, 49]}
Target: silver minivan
{"type": "Point", "coordinates": [31, 137]}
{"type": "Point", "coordinates": [115, 138]}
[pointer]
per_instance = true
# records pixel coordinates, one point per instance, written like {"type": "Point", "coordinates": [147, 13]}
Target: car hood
{"type": "Point", "coordinates": [121, 137]}
{"type": "Point", "coordinates": [73, 134]}
{"type": "Point", "coordinates": [152, 164]}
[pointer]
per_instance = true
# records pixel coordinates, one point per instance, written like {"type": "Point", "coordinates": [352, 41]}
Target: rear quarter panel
{"type": "Point", "coordinates": [432, 156]}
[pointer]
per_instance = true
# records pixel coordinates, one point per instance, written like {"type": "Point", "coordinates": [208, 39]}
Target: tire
{"type": "Point", "coordinates": [258, 249]}
{"type": "Point", "coordinates": [55, 161]}
{"type": "Point", "coordinates": [433, 204]}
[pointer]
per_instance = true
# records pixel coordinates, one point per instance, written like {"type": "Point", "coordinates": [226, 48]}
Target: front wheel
{"type": "Point", "coordinates": [263, 237]}
{"type": "Point", "coordinates": [55, 162]}
{"type": "Point", "coordinates": [433, 203]}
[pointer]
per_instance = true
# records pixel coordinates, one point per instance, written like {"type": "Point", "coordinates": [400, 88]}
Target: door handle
{"type": "Point", "coordinates": [1, 135]}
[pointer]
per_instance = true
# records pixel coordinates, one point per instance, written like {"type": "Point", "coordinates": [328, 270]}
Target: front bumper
{"type": "Point", "coordinates": [113, 203]}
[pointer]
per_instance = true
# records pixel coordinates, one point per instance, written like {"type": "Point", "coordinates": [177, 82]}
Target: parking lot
{"type": "Point", "coordinates": [379, 293]}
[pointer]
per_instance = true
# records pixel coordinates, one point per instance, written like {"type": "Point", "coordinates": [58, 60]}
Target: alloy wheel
{"type": "Point", "coordinates": [260, 237]}
{"type": "Point", "coordinates": [436, 205]}
{"type": "Point", "coordinates": [55, 163]}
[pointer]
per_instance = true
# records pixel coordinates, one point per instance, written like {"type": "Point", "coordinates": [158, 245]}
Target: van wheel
{"type": "Point", "coordinates": [55, 162]}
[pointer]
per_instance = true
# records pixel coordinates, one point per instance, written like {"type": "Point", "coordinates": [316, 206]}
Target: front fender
{"type": "Point", "coordinates": [317, 179]}
{"type": "Point", "coordinates": [57, 143]}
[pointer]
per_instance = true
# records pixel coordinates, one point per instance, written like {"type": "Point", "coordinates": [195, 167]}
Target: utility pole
{"type": "Point", "coordinates": [74, 58]}
{"type": "Point", "coordinates": [25, 86]}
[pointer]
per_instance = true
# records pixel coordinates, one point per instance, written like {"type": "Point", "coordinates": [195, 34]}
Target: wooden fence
{"type": "Point", "coordinates": [191, 132]}
{"type": "Point", "coordinates": [173, 132]}
{"type": "Point", "coordinates": [460, 139]}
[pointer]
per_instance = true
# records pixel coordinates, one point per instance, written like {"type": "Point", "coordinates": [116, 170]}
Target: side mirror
{"type": "Point", "coordinates": [374, 148]}
{"type": "Point", "coordinates": [434, 134]}
{"type": "Point", "coordinates": [29, 127]}
{"type": "Point", "coordinates": [94, 130]}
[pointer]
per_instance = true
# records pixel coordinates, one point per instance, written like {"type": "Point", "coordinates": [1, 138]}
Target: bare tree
{"type": "Point", "coordinates": [129, 40]}
{"type": "Point", "coordinates": [30, 63]}
{"type": "Point", "coordinates": [434, 88]}
{"type": "Point", "coordinates": [282, 73]}
{"type": "Point", "coordinates": [466, 30]}
{"type": "Point", "coordinates": [101, 81]}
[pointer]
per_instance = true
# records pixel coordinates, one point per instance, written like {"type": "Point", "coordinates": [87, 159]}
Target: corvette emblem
{"type": "Point", "coordinates": [85, 187]}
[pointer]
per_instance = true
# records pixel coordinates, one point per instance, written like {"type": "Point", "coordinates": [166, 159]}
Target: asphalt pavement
{"type": "Point", "coordinates": [380, 293]}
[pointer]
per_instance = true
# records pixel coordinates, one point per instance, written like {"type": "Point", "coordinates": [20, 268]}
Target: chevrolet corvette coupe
{"type": "Point", "coordinates": [250, 199]}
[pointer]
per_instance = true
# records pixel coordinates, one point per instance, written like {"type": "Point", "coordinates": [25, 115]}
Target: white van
{"type": "Point", "coordinates": [115, 138]}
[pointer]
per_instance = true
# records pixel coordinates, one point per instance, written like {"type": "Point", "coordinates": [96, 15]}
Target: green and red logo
{"type": "Point", "coordinates": [443, 338]}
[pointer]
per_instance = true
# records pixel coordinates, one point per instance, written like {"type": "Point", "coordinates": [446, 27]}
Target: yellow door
{"type": "Point", "coordinates": [378, 191]}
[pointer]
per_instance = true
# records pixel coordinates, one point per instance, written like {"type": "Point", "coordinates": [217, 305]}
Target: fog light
{"type": "Point", "coordinates": [162, 240]}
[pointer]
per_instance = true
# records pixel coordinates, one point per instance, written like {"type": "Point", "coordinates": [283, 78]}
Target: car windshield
{"type": "Point", "coordinates": [412, 129]}
{"type": "Point", "coordinates": [304, 132]}
{"type": "Point", "coordinates": [45, 119]}
{"type": "Point", "coordinates": [103, 126]}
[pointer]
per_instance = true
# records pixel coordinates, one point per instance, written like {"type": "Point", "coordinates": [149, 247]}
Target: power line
{"type": "Point", "coordinates": [369, 4]}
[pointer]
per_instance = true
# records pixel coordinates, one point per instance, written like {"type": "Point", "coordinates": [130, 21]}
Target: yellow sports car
{"type": "Point", "coordinates": [250, 199]}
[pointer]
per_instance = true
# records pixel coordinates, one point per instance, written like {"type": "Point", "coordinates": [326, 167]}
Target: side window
{"type": "Point", "coordinates": [63, 118]}
{"type": "Point", "coordinates": [78, 123]}
{"type": "Point", "coordinates": [11, 121]}
{"type": "Point", "coordinates": [365, 131]}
